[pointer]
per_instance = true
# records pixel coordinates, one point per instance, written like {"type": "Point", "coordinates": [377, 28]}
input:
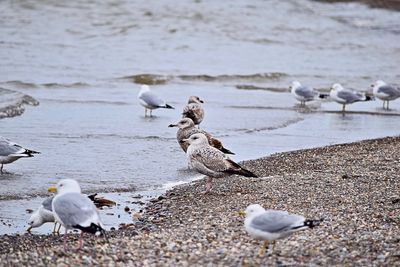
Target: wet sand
{"type": "Point", "coordinates": [355, 187]}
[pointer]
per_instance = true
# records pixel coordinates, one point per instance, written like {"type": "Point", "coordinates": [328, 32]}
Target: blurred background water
{"type": "Point", "coordinates": [83, 62]}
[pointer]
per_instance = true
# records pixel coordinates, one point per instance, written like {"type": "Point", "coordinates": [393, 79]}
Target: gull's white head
{"type": "Point", "coordinates": [196, 139]}
{"type": "Point", "coordinates": [378, 83]}
{"type": "Point", "coordinates": [183, 123]}
{"type": "Point", "coordinates": [195, 99]}
{"type": "Point", "coordinates": [35, 220]}
{"type": "Point", "coordinates": [144, 88]}
{"type": "Point", "coordinates": [336, 87]}
{"type": "Point", "coordinates": [66, 186]}
{"type": "Point", "coordinates": [254, 209]}
{"type": "Point", "coordinates": [295, 84]}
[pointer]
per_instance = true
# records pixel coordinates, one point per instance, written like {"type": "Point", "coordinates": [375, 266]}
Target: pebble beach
{"type": "Point", "coordinates": [354, 187]}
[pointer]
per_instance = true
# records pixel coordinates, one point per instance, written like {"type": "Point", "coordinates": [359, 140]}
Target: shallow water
{"type": "Point", "coordinates": [90, 127]}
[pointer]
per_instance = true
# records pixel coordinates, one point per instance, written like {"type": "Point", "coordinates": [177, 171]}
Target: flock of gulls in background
{"type": "Point", "coordinates": [205, 154]}
{"type": "Point", "coordinates": [345, 96]}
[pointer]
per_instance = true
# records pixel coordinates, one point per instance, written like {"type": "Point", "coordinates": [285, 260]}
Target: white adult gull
{"type": "Point", "coordinates": [346, 96]}
{"type": "Point", "coordinates": [149, 100]}
{"type": "Point", "coordinates": [43, 215]}
{"type": "Point", "coordinates": [303, 93]}
{"type": "Point", "coordinates": [270, 225]}
{"type": "Point", "coordinates": [194, 110]}
{"type": "Point", "coordinates": [10, 152]}
{"type": "Point", "coordinates": [74, 210]}
{"type": "Point", "coordinates": [186, 128]}
{"type": "Point", "coordinates": [385, 92]}
{"type": "Point", "coordinates": [210, 161]}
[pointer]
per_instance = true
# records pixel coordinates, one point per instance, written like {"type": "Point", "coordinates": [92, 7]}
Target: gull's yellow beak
{"type": "Point", "coordinates": [52, 189]}
{"type": "Point", "coordinates": [242, 213]}
{"type": "Point", "coordinates": [29, 229]}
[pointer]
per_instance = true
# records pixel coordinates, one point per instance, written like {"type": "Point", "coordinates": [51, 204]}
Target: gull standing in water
{"type": "Point", "coordinates": [270, 225]}
{"type": "Point", "coordinates": [149, 100]}
{"type": "Point", "coordinates": [43, 215]}
{"type": "Point", "coordinates": [346, 96]}
{"type": "Point", "coordinates": [10, 152]}
{"type": "Point", "coordinates": [74, 210]}
{"type": "Point", "coordinates": [210, 161]}
{"type": "Point", "coordinates": [303, 93]}
{"type": "Point", "coordinates": [186, 128]}
{"type": "Point", "coordinates": [194, 110]}
{"type": "Point", "coordinates": [385, 92]}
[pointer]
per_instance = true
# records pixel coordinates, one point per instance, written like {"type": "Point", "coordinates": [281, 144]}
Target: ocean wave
{"type": "Point", "coordinates": [13, 103]}
{"type": "Point", "coordinates": [152, 79]}
{"type": "Point", "coordinates": [29, 85]}
{"type": "Point", "coordinates": [271, 128]}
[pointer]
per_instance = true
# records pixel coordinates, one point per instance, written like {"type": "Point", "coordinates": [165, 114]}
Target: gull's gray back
{"type": "Point", "coordinates": [151, 99]}
{"type": "Point", "coordinates": [275, 221]}
{"type": "Point", "coordinates": [389, 90]}
{"type": "Point", "coordinates": [349, 96]}
{"type": "Point", "coordinates": [7, 148]}
{"type": "Point", "coordinates": [306, 92]}
{"type": "Point", "coordinates": [47, 203]}
{"type": "Point", "coordinates": [74, 208]}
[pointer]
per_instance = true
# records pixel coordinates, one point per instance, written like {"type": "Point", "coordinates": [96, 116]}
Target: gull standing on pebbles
{"type": "Point", "coordinates": [303, 93]}
{"type": "Point", "coordinates": [346, 96]}
{"type": "Point", "coordinates": [270, 225]}
{"type": "Point", "coordinates": [186, 128]}
{"type": "Point", "coordinates": [43, 215]}
{"type": "Point", "coordinates": [385, 92]}
{"type": "Point", "coordinates": [10, 152]}
{"type": "Point", "coordinates": [150, 100]}
{"type": "Point", "coordinates": [74, 210]}
{"type": "Point", "coordinates": [210, 161]}
{"type": "Point", "coordinates": [194, 110]}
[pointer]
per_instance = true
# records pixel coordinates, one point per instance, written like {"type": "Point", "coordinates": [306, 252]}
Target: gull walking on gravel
{"type": "Point", "coordinates": [74, 210]}
{"type": "Point", "coordinates": [346, 96]}
{"type": "Point", "coordinates": [210, 161]}
{"type": "Point", "coordinates": [149, 100]}
{"type": "Point", "coordinates": [385, 92]}
{"type": "Point", "coordinates": [10, 152]}
{"type": "Point", "coordinates": [194, 110]}
{"type": "Point", "coordinates": [270, 225]}
{"type": "Point", "coordinates": [186, 128]}
{"type": "Point", "coordinates": [303, 93]}
{"type": "Point", "coordinates": [43, 215]}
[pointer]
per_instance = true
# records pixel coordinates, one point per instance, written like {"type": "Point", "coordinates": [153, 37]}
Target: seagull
{"type": "Point", "coordinates": [186, 128]}
{"type": "Point", "coordinates": [74, 210]}
{"type": "Point", "coordinates": [194, 110]}
{"type": "Point", "coordinates": [10, 152]}
{"type": "Point", "coordinates": [303, 93]}
{"type": "Point", "coordinates": [385, 92]}
{"type": "Point", "coordinates": [270, 225]}
{"type": "Point", "coordinates": [346, 96]}
{"type": "Point", "coordinates": [210, 161]}
{"type": "Point", "coordinates": [150, 100]}
{"type": "Point", "coordinates": [43, 215]}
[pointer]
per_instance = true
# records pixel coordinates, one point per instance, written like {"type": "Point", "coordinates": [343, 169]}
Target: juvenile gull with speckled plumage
{"type": "Point", "coordinates": [210, 161]}
{"type": "Point", "coordinates": [194, 110]}
{"type": "Point", "coordinates": [186, 128]}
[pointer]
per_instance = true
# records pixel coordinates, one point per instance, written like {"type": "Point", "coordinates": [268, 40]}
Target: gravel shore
{"type": "Point", "coordinates": [354, 187]}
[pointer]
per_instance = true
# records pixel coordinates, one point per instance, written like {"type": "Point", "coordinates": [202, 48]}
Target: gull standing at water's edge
{"type": "Point", "coordinates": [43, 215]}
{"type": "Point", "coordinates": [149, 100]}
{"type": "Point", "coordinates": [74, 210]}
{"type": "Point", "coordinates": [346, 96]}
{"type": "Point", "coordinates": [186, 128]}
{"type": "Point", "coordinates": [194, 110]}
{"type": "Point", "coordinates": [385, 92]}
{"type": "Point", "coordinates": [210, 161]}
{"type": "Point", "coordinates": [270, 225]}
{"type": "Point", "coordinates": [10, 152]}
{"type": "Point", "coordinates": [302, 93]}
